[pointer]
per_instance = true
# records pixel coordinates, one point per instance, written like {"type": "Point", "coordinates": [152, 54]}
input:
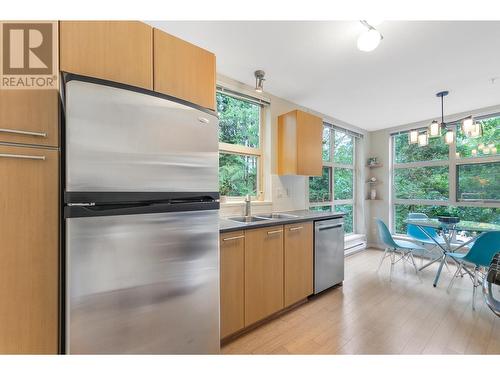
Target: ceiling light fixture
{"type": "Point", "coordinates": [259, 80]}
{"type": "Point", "coordinates": [423, 139]}
{"type": "Point", "coordinates": [434, 129]}
{"type": "Point", "coordinates": [369, 39]}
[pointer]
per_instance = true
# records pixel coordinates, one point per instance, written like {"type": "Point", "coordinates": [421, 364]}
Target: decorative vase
{"type": "Point", "coordinates": [373, 194]}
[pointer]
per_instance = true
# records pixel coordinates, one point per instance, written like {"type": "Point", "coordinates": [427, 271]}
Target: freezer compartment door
{"type": "Point", "coordinates": [121, 140]}
{"type": "Point", "coordinates": [143, 284]}
{"type": "Point", "coordinates": [328, 254]}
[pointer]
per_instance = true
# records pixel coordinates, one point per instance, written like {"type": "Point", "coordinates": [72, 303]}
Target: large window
{"type": "Point", "coordinates": [239, 146]}
{"type": "Point", "coordinates": [334, 189]}
{"type": "Point", "coordinates": [461, 179]}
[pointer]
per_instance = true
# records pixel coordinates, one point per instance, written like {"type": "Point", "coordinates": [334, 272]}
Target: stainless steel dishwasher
{"type": "Point", "coordinates": [328, 253]}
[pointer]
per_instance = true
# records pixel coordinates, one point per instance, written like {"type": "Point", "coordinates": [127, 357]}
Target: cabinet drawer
{"type": "Point", "coordinates": [29, 117]}
{"type": "Point", "coordinates": [232, 289]}
{"type": "Point", "coordinates": [120, 51]}
{"type": "Point", "coordinates": [29, 251]}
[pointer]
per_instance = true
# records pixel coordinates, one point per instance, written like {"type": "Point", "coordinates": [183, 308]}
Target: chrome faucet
{"type": "Point", "coordinates": [248, 205]}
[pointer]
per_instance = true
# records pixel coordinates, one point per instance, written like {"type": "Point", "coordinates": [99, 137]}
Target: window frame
{"type": "Point", "coordinates": [234, 149]}
{"type": "Point", "coordinates": [452, 163]}
{"type": "Point", "coordinates": [331, 164]}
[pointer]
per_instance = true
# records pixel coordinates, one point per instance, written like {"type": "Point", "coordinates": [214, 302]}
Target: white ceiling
{"type": "Point", "coordinates": [316, 64]}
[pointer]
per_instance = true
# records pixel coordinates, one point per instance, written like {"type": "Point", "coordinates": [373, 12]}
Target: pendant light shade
{"type": "Point", "coordinates": [467, 125]}
{"type": "Point", "coordinates": [493, 150]}
{"type": "Point", "coordinates": [476, 130]}
{"type": "Point", "coordinates": [423, 140]}
{"type": "Point", "coordinates": [413, 137]}
{"type": "Point", "coordinates": [434, 129]}
{"type": "Point", "coordinates": [449, 137]}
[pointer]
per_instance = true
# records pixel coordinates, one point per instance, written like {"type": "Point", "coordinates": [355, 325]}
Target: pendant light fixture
{"type": "Point", "coordinates": [434, 129]}
{"type": "Point", "coordinates": [413, 138]}
{"type": "Point", "coordinates": [423, 139]}
{"type": "Point", "coordinates": [369, 39]}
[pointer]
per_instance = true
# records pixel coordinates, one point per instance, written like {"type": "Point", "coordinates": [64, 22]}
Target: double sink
{"type": "Point", "coordinates": [262, 217]}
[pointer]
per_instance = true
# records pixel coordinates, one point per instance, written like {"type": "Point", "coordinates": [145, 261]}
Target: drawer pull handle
{"type": "Point", "coordinates": [330, 227]}
{"type": "Point", "coordinates": [16, 156]}
{"type": "Point", "coordinates": [275, 231]}
{"type": "Point", "coordinates": [23, 132]}
{"type": "Point", "coordinates": [233, 238]}
{"type": "Point", "coordinates": [295, 228]}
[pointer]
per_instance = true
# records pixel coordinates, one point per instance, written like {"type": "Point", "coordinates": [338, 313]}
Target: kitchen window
{"type": "Point", "coordinates": [461, 179]}
{"type": "Point", "coordinates": [240, 145]}
{"type": "Point", "coordinates": [334, 190]}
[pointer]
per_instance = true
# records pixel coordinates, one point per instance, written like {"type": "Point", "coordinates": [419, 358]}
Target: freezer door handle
{"type": "Point", "coordinates": [330, 227]}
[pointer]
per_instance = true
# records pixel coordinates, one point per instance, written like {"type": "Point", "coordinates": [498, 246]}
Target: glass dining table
{"type": "Point", "coordinates": [448, 233]}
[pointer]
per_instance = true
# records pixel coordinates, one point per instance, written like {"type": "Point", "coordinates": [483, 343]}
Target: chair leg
{"type": "Point", "coordinates": [382, 259]}
{"type": "Point", "coordinates": [393, 256]}
{"type": "Point", "coordinates": [457, 272]}
{"type": "Point", "coordinates": [474, 289]}
{"type": "Point", "coordinates": [414, 264]}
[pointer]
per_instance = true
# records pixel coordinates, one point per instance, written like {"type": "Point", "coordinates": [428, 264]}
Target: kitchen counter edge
{"type": "Point", "coordinates": [226, 225]}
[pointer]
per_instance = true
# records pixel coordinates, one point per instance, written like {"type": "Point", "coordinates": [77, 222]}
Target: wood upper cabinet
{"type": "Point", "coordinates": [29, 117]}
{"type": "Point", "coordinates": [300, 144]}
{"type": "Point", "coordinates": [298, 262]}
{"type": "Point", "coordinates": [232, 279]}
{"type": "Point", "coordinates": [120, 51]}
{"type": "Point", "coordinates": [263, 273]}
{"type": "Point", "coordinates": [184, 70]}
{"type": "Point", "coordinates": [29, 274]}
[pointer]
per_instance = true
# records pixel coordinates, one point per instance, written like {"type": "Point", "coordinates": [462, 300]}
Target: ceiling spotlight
{"type": "Point", "coordinates": [259, 80]}
{"type": "Point", "coordinates": [369, 39]}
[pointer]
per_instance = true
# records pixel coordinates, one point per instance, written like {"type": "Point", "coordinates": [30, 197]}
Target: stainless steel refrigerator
{"type": "Point", "coordinates": [141, 222]}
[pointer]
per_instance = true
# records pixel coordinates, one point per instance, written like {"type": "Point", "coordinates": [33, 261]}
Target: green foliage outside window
{"type": "Point", "coordinates": [343, 181]}
{"type": "Point", "coordinates": [348, 218]}
{"type": "Point", "coordinates": [343, 149]}
{"type": "Point", "coordinates": [491, 136]}
{"type": "Point", "coordinates": [478, 181]}
{"type": "Point", "coordinates": [239, 124]}
{"type": "Point", "coordinates": [437, 149]}
{"type": "Point", "coordinates": [239, 121]}
{"type": "Point", "coordinates": [319, 187]}
{"type": "Point", "coordinates": [421, 183]}
{"type": "Point", "coordinates": [478, 214]}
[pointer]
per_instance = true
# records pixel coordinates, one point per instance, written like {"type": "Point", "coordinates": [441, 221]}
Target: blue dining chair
{"type": "Point", "coordinates": [418, 235]}
{"type": "Point", "coordinates": [480, 255]}
{"type": "Point", "coordinates": [403, 249]}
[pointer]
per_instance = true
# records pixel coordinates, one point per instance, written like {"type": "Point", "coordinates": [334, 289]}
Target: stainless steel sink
{"type": "Point", "coordinates": [247, 219]}
{"type": "Point", "coordinates": [276, 215]}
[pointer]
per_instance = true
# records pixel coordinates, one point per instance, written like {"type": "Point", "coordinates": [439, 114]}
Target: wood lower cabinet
{"type": "Point", "coordinates": [29, 117]}
{"type": "Point", "coordinates": [184, 70]}
{"type": "Point", "coordinates": [298, 262]}
{"type": "Point", "coordinates": [120, 51]}
{"type": "Point", "coordinates": [232, 282]}
{"type": "Point", "coordinates": [263, 273]}
{"type": "Point", "coordinates": [29, 274]}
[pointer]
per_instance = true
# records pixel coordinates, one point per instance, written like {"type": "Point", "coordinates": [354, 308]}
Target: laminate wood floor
{"type": "Point", "coordinates": [371, 315]}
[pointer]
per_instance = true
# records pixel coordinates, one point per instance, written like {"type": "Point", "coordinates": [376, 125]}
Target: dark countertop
{"type": "Point", "coordinates": [226, 225]}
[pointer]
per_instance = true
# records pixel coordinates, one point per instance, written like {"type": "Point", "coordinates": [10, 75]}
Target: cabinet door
{"type": "Point", "coordinates": [29, 250]}
{"type": "Point", "coordinates": [309, 144]}
{"type": "Point", "coordinates": [120, 51]}
{"type": "Point", "coordinates": [29, 117]}
{"type": "Point", "coordinates": [263, 273]}
{"type": "Point", "coordinates": [298, 262]}
{"type": "Point", "coordinates": [232, 288]}
{"type": "Point", "coordinates": [184, 70]}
